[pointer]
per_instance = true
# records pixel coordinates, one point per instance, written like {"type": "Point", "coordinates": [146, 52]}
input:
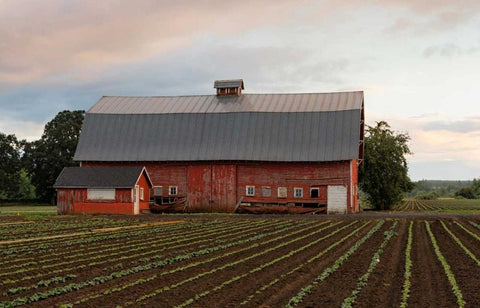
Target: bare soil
{"type": "Point", "coordinates": [429, 284]}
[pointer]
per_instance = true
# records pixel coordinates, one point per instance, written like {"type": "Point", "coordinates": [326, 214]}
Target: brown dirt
{"type": "Point", "coordinates": [464, 268]}
{"type": "Point", "coordinates": [430, 287]}
{"type": "Point", "coordinates": [429, 284]}
{"type": "Point", "coordinates": [384, 287]}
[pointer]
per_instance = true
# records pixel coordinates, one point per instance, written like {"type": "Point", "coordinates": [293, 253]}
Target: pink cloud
{"type": "Point", "coordinates": [43, 38]}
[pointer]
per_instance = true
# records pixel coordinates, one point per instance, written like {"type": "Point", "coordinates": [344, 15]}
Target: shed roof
{"type": "Point", "coordinates": [252, 127]}
{"type": "Point", "coordinates": [100, 177]}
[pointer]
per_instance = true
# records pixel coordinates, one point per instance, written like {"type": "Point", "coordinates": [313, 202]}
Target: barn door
{"type": "Point", "coordinates": [336, 199]}
{"type": "Point", "coordinates": [224, 188]}
{"type": "Point", "coordinates": [65, 201]}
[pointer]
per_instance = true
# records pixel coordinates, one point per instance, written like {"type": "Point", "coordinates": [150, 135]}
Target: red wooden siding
{"type": "Point", "coordinates": [143, 183]}
{"type": "Point", "coordinates": [217, 187]}
{"type": "Point", "coordinates": [74, 200]}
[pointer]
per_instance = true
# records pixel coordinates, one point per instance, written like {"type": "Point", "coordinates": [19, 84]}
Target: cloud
{"type": "Point", "coordinates": [436, 139]}
{"type": "Point", "coordinates": [468, 125]}
{"type": "Point", "coordinates": [448, 50]}
{"type": "Point", "coordinates": [22, 129]}
{"type": "Point", "coordinates": [43, 39]}
{"type": "Point", "coordinates": [427, 17]}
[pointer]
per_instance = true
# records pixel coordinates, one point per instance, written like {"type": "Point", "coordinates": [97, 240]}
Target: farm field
{"type": "Point", "coordinates": [237, 260]}
{"type": "Point", "coordinates": [465, 206]}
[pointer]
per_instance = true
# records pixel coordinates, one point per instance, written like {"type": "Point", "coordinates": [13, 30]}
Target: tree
{"type": "Point", "coordinates": [470, 192]}
{"type": "Point", "coordinates": [9, 166]}
{"type": "Point", "coordinates": [44, 159]}
{"type": "Point", "coordinates": [383, 176]}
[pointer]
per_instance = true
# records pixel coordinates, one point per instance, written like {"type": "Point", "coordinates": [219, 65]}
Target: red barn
{"type": "Point", "coordinates": [109, 190]}
{"type": "Point", "coordinates": [220, 152]}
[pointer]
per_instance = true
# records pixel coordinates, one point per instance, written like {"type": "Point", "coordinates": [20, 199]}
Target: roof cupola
{"type": "Point", "coordinates": [229, 87]}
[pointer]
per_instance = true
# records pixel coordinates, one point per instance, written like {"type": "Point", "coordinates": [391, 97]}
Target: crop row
{"type": "Point", "coordinates": [362, 281]}
{"type": "Point", "coordinates": [263, 266]}
{"type": "Point", "coordinates": [302, 265]}
{"type": "Point", "coordinates": [144, 250]}
{"type": "Point", "coordinates": [254, 245]}
{"type": "Point", "coordinates": [92, 237]}
{"type": "Point", "coordinates": [81, 254]}
{"type": "Point", "coordinates": [298, 298]}
{"type": "Point", "coordinates": [102, 279]}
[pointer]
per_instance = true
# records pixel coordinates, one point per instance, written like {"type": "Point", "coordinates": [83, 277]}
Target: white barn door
{"type": "Point", "coordinates": [336, 199]}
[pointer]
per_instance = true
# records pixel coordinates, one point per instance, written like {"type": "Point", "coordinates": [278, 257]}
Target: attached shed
{"type": "Point", "coordinates": [219, 152]}
{"type": "Point", "coordinates": [106, 190]}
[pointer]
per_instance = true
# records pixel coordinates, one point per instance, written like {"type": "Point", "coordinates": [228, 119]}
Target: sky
{"type": "Point", "coordinates": [417, 61]}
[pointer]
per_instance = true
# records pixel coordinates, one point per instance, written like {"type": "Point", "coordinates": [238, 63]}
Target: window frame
{"type": "Point", "coordinates": [92, 190]}
{"type": "Point", "coordinates": [247, 187]}
{"type": "Point", "coordinates": [318, 192]}
{"type": "Point", "coordinates": [142, 197]}
{"type": "Point", "coordinates": [170, 190]}
{"type": "Point", "coordinates": [285, 190]}
{"type": "Point", "coordinates": [161, 191]}
{"type": "Point", "coordinates": [266, 188]}
{"type": "Point", "coordinates": [300, 189]}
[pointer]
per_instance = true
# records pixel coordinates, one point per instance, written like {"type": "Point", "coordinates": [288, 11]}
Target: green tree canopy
{"type": "Point", "coordinates": [45, 158]}
{"type": "Point", "coordinates": [470, 192]}
{"type": "Point", "coordinates": [10, 166]}
{"type": "Point", "coordinates": [384, 173]}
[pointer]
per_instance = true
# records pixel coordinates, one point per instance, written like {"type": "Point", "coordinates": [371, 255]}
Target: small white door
{"type": "Point", "coordinates": [136, 202]}
{"type": "Point", "coordinates": [336, 199]}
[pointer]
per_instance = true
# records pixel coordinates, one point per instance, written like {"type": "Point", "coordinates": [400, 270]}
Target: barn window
{"type": "Point", "coordinates": [101, 194]}
{"type": "Point", "coordinates": [282, 192]}
{"type": "Point", "coordinates": [157, 190]}
{"type": "Point", "coordinates": [250, 191]}
{"type": "Point", "coordinates": [298, 192]}
{"type": "Point", "coordinates": [314, 192]}
{"type": "Point", "coordinates": [141, 193]}
{"type": "Point", "coordinates": [172, 190]}
{"type": "Point", "coordinates": [266, 191]}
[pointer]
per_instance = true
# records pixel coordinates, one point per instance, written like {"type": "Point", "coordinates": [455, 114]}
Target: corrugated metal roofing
{"type": "Point", "coordinates": [313, 102]}
{"type": "Point", "coordinates": [222, 84]}
{"type": "Point", "coordinates": [251, 136]}
{"type": "Point", "coordinates": [98, 177]}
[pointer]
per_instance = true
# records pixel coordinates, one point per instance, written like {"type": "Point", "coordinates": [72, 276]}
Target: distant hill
{"type": "Point", "coordinates": [440, 188]}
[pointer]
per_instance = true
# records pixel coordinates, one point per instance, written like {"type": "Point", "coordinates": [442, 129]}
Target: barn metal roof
{"type": "Point", "coordinates": [312, 102]}
{"type": "Point", "coordinates": [251, 127]}
{"type": "Point", "coordinates": [99, 177]}
{"type": "Point", "coordinates": [251, 136]}
{"type": "Point", "coordinates": [222, 84]}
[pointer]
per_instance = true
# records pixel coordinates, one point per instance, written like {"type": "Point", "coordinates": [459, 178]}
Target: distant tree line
{"type": "Point", "coordinates": [28, 170]}
{"type": "Point", "coordinates": [470, 192]}
{"type": "Point", "coordinates": [433, 189]}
